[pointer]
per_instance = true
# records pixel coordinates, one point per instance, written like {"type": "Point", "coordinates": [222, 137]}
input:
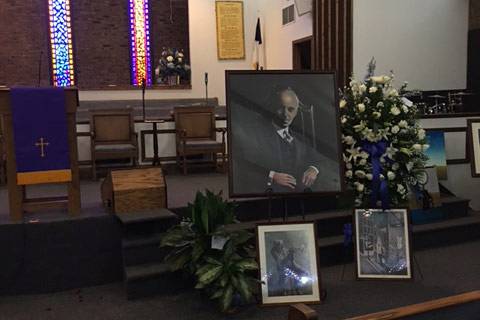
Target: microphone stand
{"type": "Point", "coordinates": [206, 88]}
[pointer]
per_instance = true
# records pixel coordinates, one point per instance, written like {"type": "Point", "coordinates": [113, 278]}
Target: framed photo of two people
{"type": "Point", "coordinates": [284, 133]}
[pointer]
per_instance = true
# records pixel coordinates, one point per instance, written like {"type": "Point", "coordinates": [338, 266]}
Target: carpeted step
{"type": "Point", "coordinates": [143, 250]}
{"type": "Point", "coordinates": [152, 279]}
{"type": "Point", "coordinates": [146, 223]}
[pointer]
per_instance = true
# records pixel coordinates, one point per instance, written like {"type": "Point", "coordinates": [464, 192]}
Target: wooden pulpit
{"type": "Point", "coordinates": [18, 201]}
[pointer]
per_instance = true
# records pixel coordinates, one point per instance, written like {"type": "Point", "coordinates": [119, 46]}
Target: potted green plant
{"type": "Point", "coordinates": [219, 257]}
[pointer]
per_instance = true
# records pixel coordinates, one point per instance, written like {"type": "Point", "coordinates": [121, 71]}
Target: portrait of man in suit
{"type": "Point", "coordinates": [276, 148]}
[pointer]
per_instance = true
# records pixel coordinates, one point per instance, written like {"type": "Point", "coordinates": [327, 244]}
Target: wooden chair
{"type": "Point", "coordinates": [112, 136]}
{"type": "Point", "coordinates": [196, 133]}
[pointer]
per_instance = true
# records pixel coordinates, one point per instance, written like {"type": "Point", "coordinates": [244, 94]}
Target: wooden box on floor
{"type": "Point", "coordinates": [134, 190]}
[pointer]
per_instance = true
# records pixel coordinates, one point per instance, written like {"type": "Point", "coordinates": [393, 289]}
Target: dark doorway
{"type": "Point", "coordinates": [302, 54]}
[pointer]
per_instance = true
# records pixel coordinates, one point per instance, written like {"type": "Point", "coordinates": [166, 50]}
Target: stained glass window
{"type": "Point", "coordinates": [61, 43]}
{"type": "Point", "coordinates": [140, 42]}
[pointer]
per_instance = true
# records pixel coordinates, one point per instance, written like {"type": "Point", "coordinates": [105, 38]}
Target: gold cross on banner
{"type": "Point", "coordinates": [42, 144]}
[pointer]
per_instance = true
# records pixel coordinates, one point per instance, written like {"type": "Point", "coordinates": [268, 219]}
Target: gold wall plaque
{"type": "Point", "coordinates": [230, 30]}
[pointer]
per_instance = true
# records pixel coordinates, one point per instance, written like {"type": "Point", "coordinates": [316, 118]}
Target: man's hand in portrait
{"type": "Point", "coordinates": [284, 179]}
{"type": "Point", "coordinates": [309, 176]}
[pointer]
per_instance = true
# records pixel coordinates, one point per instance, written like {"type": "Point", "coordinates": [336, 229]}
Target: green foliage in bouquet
{"type": "Point", "coordinates": [224, 272]}
{"type": "Point", "coordinates": [374, 116]}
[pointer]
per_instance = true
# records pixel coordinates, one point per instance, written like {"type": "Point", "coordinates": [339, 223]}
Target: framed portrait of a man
{"type": "Point", "coordinates": [284, 135]}
{"type": "Point", "coordinates": [288, 263]}
{"type": "Point", "coordinates": [382, 243]}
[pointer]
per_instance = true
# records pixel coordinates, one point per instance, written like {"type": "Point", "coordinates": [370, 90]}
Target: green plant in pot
{"type": "Point", "coordinates": [207, 245]}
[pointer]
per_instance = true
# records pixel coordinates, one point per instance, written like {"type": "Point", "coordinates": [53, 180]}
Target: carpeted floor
{"type": "Point", "coordinates": [446, 271]}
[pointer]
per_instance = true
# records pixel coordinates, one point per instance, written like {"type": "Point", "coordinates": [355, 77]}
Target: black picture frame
{"type": "Point", "coordinates": [359, 245]}
{"type": "Point", "coordinates": [237, 98]}
{"type": "Point", "coordinates": [466, 158]}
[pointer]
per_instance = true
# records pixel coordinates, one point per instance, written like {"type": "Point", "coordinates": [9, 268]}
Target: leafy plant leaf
{"type": "Point", "coordinates": [210, 275]}
{"type": "Point", "coordinates": [226, 300]}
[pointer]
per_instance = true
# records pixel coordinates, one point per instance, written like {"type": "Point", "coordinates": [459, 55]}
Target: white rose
{"type": "Point", "coordinates": [349, 174]}
{"type": "Point", "coordinates": [169, 58]}
{"type": "Point", "coordinates": [362, 162]}
{"type": "Point", "coordinates": [360, 174]}
{"type": "Point", "coordinates": [364, 155]}
{"type": "Point", "coordinates": [363, 88]}
{"type": "Point", "coordinates": [417, 147]}
{"type": "Point", "coordinates": [360, 187]}
{"type": "Point", "coordinates": [349, 140]}
{"type": "Point", "coordinates": [380, 104]}
{"type": "Point", "coordinates": [369, 176]}
{"type": "Point", "coordinates": [395, 129]}
{"type": "Point", "coordinates": [401, 189]}
{"type": "Point", "coordinates": [393, 92]}
{"type": "Point", "coordinates": [405, 108]}
{"type": "Point", "coordinates": [421, 134]}
{"type": "Point", "coordinates": [180, 60]}
{"type": "Point", "coordinates": [343, 120]}
{"type": "Point", "coordinates": [379, 79]}
{"type": "Point", "coordinates": [343, 103]}
{"type": "Point", "coordinates": [361, 107]}
{"type": "Point", "coordinates": [402, 124]}
{"type": "Point", "coordinates": [382, 177]}
{"type": "Point", "coordinates": [373, 89]}
{"type": "Point", "coordinates": [349, 166]}
{"type": "Point", "coordinates": [395, 111]}
{"type": "Point", "coordinates": [180, 55]}
{"type": "Point", "coordinates": [376, 115]}
{"type": "Point", "coordinates": [390, 175]}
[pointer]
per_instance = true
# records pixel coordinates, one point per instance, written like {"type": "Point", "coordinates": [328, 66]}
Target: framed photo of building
{"type": "Point", "coordinates": [382, 244]}
{"type": "Point", "coordinates": [474, 145]}
{"type": "Point", "coordinates": [288, 263]}
{"type": "Point", "coordinates": [284, 133]}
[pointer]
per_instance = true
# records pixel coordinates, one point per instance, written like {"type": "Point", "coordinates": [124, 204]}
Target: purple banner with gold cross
{"type": "Point", "coordinates": [40, 134]}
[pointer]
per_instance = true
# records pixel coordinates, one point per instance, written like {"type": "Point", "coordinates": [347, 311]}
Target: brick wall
{"type": "Point", "coordinates": [474, 15]}
{"type": "Point", "coordinates": [174, 26]}
{"type": "Point", "coordinates": [100, 36]}
{"type": "Point", "coordinates": [23, 40]}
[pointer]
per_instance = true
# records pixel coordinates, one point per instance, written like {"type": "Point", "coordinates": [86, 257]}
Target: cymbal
{"type": "Point", "coordinates": [436, 96]}
{"type": "Point", "coordinates": [463, 94]}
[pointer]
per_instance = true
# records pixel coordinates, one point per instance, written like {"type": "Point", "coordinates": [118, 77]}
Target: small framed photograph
{"type": "Point", "coordinates": [289, 267]}
{"type": "Point", "coordinates": [382, 244]}
{"type": "Point", "coordinates": [474, 145]}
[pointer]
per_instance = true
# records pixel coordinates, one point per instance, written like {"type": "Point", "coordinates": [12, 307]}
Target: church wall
{"type": "Point", "coordinates": [24, 42]}
{"type": "Point", "coordinates": [278, 38]}
{"type": "Point", "coordinates": [203, 57]}
{"type": "Point", "coordinates": [424, 42]}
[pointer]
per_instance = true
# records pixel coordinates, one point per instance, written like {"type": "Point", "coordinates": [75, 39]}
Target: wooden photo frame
{"type": "Point", "coordinates": [283, 126]}
{"type": "Point", "coordinates": [289, 264]}
{"type": "Point", "coordinates": [383, 244]}
{"type": "Point", "coordinates": [473, 135]}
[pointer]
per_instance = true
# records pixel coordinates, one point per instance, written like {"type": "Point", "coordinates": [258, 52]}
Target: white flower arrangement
{"type": "Point", "coordinates": [381, 131]}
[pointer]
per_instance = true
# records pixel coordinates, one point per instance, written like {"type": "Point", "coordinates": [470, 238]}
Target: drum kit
{"type": "Point", "coordinates": [453, 104]}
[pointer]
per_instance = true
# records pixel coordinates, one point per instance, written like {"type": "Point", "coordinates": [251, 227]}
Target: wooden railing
{"type": "Point", "coordinates": [303, 312]}
{"type": "Point", "coordinates": [414, 309]}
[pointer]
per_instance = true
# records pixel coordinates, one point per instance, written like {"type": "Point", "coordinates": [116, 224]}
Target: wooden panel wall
{"type": "Point", "coordinates": [332, 37]}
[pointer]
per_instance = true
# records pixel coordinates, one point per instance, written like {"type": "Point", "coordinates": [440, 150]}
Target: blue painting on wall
{"type": "Point", "coordinates": [436, 153]}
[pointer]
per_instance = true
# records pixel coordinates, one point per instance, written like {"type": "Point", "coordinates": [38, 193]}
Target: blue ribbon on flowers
{"type": "Point", "coordinates": [379, 187]}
